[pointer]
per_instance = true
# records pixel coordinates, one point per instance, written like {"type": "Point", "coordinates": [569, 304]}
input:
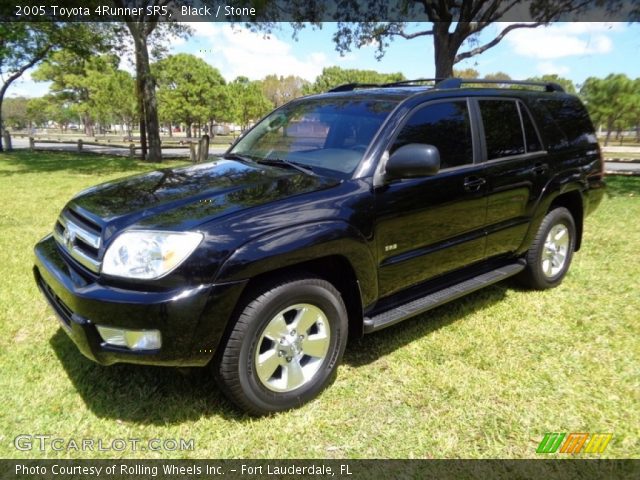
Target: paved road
{"type": "Point", "coordinates": [626, 167]}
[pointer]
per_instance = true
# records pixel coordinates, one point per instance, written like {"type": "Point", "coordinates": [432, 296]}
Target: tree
{"type": "Point", "coordinates": [565, 83]}
{"type": "Point", "coordinates": [453, 23]}
{"type": "Point", "coordinates": [24, 45]}
{"type": "Point", "coordinates": [466, 73]}
{"type": "Point", "coordinates": [251, 103]}
{"type": "Point", "coordinates": [609, 100]}
{"type": "Point", "coordinates": [112, 96]}
{"type": "Point", "coordinates": [280, 90]}
{"type": "Point", "coordinates": [332, 77]}
{"type": "Point", "coordinates": [186, 89]}
{"type": "Point", "coordinates": [635, 108]}
{"type": "Point", "coordinates": [51, 107]}
{"type": "Point", "coordinates": [37, 113]}
{"type": "Point", "coordinates": [497, 76]}
{"type": "Point", "coordinates": [14, 112]}
{"type": "Point", "coordinates": [141, 27]}
{"type": "Point", "coordinates": [93, 87]}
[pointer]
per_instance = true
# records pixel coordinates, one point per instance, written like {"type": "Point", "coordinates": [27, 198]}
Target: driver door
{"type": "Point", "coordinates": [429, 226]}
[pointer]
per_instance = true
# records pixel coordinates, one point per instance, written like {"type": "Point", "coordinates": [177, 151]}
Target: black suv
{"type": "Point", "coordinates": [336, 215]}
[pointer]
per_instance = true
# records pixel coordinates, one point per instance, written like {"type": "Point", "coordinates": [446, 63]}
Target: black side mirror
{"type": "Point", "coordinates": [413, 160]}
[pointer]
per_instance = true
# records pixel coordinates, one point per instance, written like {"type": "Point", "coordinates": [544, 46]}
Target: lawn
{"type": "Point", "coordinates": [483, 377]}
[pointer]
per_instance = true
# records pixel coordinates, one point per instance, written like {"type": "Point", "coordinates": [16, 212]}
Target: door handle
{"type": "Point", "coordinates": [473, 184]}
{"type": "Point", "coordinates": [540, 168]}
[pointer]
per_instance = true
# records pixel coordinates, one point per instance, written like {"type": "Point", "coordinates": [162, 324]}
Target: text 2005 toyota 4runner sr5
{"type": "Point", "coordinates": [337, 215]}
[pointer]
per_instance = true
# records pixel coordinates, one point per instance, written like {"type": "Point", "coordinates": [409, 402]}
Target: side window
{"type": "Point", "coordinates": [444, 125]}
{"type": "Point", "coordinates": [530, 134]}
{"type": "Point", "coordinates": [502, 128]}
{"type": "Point", "coordinates": [567, 123]}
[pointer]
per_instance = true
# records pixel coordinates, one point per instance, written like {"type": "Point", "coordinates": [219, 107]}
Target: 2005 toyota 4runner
{"type": "Point", "coordinates": [336, 215]}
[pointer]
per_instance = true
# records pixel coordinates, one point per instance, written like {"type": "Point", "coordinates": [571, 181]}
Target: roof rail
{"type": "Point", "coordinates": [457, 83]}
{"type": "Point", "coordinates": [440, 83]}
{"type": "Point", "coordinates": [347, 87]}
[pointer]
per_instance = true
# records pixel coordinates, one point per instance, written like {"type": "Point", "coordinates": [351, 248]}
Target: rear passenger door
{"type": "Point", "coordinates": [432, 225]}
{"type": "Point", "coordinates": [516, 171]}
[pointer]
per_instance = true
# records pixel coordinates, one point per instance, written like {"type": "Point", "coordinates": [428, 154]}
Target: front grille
{"type": "Point", "coordinates": [80, 237]}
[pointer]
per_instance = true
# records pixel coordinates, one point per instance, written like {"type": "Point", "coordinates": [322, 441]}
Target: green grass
{"type": "Point", "coordinates": [485, 376]}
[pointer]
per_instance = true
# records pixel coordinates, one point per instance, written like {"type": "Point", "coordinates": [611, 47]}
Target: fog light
{"type": "Point", "coordinates": [132, 339]}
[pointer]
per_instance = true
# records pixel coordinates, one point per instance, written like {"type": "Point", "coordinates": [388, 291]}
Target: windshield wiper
{"type": "Point", "coordinates": [242, 158]}
{"type": "Point", "coordinates": [287, 164]}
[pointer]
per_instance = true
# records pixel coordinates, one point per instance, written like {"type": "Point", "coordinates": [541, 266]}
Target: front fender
{"type": "Point", "coordinates": [296, 244]}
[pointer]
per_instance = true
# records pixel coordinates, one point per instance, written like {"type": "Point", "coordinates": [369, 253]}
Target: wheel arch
{"type": "Point", "coordinates": [335, 269]}
{"type": "Point", "coordinates": [332, 250]}
{"type": "Point", "coordinates": [573, 202]}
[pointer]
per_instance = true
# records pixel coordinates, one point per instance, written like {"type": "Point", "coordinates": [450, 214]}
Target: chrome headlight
{"type": "Point", "coordinates": [148, 254]}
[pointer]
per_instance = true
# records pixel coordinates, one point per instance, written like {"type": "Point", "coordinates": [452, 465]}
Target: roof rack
{"type": "Point", "coordinates": [457, 83]}
{"type": "Point", "coordinates": [347, 87]}
{"type": "Point", "coordinates": [440, 83]}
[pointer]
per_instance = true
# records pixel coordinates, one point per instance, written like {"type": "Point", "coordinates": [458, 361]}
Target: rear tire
{"type": "Point", "coordinates": [284, 347]}
{"type": "Point", "coordinates": [551, 251]}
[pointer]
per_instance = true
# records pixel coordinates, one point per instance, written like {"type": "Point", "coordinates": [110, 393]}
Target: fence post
{"type": "Point", "coordinates": [6, 137]}
{"type": "Point", "coordinates": [32, 143]}
{"type": "Point", "coordinates": [132, 150]}
{"type": "Point", "coordinates": [203, 149]}
{"type": "Point", "coordinates": [79, 145]}
{"type": "Point", "coordinates": [192, 152]}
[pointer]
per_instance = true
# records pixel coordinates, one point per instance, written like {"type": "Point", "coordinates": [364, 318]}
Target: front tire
{"type": "Point", "coordinates": [551, 251]}
{"type": "Point", "coordinates": [285, 345]}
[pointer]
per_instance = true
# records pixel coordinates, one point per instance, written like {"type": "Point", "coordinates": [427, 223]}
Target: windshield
{"type": "Point", "coordinates": [327, 135]}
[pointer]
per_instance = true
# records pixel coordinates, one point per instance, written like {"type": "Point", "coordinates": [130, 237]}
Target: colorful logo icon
{"type": "Point", "coordinates": [575, 442]}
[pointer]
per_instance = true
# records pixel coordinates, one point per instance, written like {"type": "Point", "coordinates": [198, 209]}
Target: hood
{"type": "Point", "coordinates": [181, 198]}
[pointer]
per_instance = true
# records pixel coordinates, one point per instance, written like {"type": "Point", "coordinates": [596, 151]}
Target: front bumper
{"type": "Point", "coordinates": [191, 320]}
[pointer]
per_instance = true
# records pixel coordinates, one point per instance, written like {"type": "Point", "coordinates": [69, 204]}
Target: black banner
{"type": "Point", "coordinates": [340, 469]}
{"type": "Point", "coordinates": [318, 10]}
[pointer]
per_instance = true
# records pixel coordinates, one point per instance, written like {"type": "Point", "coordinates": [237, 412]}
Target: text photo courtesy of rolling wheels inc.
{"type": "Point", "coordinates": [338, 239]}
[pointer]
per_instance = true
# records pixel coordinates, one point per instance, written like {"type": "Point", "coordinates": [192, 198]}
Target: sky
{"type": "Point", "coordinates": [572, 50]}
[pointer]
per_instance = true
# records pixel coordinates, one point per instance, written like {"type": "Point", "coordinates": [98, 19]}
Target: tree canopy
{"type": "Point", "coordinates": [24, 45]}
{"type": "Point", "coordinates": [187, 89]}
{"type": "Point", "coordinates": [332, 77]}
{"type": "Point", "coordinates": [611, 101]}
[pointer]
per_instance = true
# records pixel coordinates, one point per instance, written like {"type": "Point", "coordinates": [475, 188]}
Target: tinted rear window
{"type": "Point", "coordinates": [566, 122]}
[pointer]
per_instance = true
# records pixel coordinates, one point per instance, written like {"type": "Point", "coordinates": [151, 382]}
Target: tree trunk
{"type": "Point", "coordinates": [609, 130]}
{"type": "Point", "coordinates": [147, 88]}
{"type": "Point", "coordinates": [444, 50]}
{"type": "Point", "coordinates": [1, 125]}
{"type": "Point", "coordinates": [2, 92]}
{"type": "Point", "coordinates": [188, 130]}
{"type": "Point", "coordinates": [150, 105]}
{"type": "Point", "coordinates": [141, 120]}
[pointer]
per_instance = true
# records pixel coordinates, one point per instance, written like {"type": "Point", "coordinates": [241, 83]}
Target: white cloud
{"type": "Point", "coordinates": [239, 51]}
{"type": "Point", "coordinates": [202, 29]}
{"type": "Point", "coordinates": [562, 40]}
{"type": "Point", "coordinates": [548, 68]}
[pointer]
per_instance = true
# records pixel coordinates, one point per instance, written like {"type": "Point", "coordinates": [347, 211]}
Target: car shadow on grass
{"type": "Point", "coordinates": [162, 396]}
{"type": "Point", "coordinates": [143, 394]}
{"type": "Point", "coordinates": [369, 348]}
